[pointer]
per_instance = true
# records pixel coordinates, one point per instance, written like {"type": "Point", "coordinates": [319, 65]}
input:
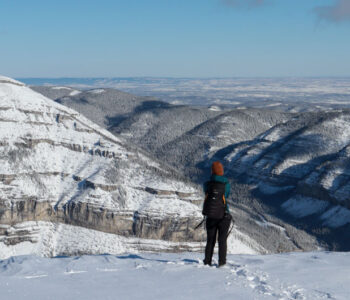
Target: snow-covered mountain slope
{"type": "Point", "coordinates": [304, 163]}
{"type": "Point", "coordinates": [153, 128]}
{"type": "Point", "coordinates": [301, 276]}
{"type": "Point", "coordinates": [195, 147]}
{"type": "Point", "coordinates": [57, 166]}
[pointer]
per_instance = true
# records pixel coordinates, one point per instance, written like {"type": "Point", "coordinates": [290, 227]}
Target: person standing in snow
{"type": "Point", "coordinates": [216, 210]}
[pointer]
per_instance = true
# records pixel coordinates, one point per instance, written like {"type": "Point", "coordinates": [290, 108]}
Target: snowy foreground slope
{"type": "Point", "coordinates": [314, 275]}
{"type": "Point", "coordinates": [61, 174]}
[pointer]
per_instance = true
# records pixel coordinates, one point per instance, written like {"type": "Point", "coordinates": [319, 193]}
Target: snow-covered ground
{"type": "Point", "coordinates": [315, 275]}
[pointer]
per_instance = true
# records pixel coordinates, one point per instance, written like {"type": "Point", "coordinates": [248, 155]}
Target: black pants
{"type": "Point", "coordinates": [215, 226]}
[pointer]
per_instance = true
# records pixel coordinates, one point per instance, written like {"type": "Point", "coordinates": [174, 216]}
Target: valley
{"type": "Point", "coordinates": [281, 164]}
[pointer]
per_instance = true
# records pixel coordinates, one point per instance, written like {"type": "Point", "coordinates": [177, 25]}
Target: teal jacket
{"type": "Point", "coordinates": [222, 179]}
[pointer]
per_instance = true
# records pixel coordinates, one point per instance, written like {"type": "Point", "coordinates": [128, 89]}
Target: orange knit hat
{"type": "Point", "coordinates": [217, 168]}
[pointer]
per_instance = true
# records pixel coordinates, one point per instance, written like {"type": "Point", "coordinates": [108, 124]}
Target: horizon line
{"type": "Point", "coordinates": [181, 77]}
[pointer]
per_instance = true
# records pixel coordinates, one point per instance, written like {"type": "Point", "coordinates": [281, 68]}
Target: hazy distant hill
{"type": "Point", "coordinates": [282, 94]}
{"type": "Point", "coordinates": [106, 107]}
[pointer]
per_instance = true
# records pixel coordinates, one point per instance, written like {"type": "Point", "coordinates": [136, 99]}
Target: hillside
{"type": "Point", "coordinates": [191, 152]}
{"type": "Point", "coordinates": [153, 129]}
{"type": "Point", "coordinates": [301, 167]}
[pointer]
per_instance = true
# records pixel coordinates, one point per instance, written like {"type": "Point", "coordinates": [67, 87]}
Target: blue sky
{"type": "Point", "coordinates": [182, 38]}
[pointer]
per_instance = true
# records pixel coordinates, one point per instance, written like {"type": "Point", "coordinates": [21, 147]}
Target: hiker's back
{"type": "Point", "coordinates": [214, 203]}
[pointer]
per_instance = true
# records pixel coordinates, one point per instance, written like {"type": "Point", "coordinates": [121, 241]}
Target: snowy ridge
{"type": "Point", "coordinates": [54, 92]}
{"type": "Point", "coordinates": [4, 79]}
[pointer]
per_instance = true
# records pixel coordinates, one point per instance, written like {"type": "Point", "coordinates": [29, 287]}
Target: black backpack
{"type": "Point", "coordinates": [215, 202]}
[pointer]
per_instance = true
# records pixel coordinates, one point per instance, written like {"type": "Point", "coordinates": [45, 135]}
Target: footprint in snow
{"type": "Point", "coordinates": [240, 272]}
{"type": "Point", "coordinates": [258, 281]}
{"type": "Point", "coordinates": [324, 295]}
{"type": "Point", "coordinates": [293, 293]}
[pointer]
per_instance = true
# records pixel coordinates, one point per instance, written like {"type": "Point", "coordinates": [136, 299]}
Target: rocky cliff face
{"type": "Point", "coordinates": [57, 166]}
